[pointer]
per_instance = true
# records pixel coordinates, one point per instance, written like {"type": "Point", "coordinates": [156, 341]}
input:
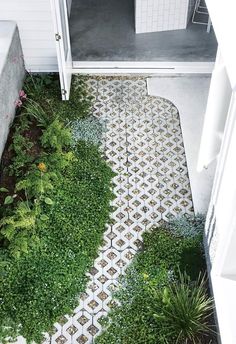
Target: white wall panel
{"type": "Point", "coordinates": [34, 21]}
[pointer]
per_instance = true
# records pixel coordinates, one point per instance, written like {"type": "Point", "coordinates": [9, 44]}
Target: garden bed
{"type": "Point", "coordinates": [55, 202]}
{"type": "Point", "coordinates": [164, 296]}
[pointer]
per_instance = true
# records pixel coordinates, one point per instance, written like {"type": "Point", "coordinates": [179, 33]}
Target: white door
{"type": "Point", "coordinates": [62, 37]}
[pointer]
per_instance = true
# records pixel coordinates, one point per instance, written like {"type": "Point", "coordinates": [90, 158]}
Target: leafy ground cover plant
{"type": "Point", "coordinates": [44, 284]}
{"type": "Point", "coordinates": [54, 207]}
{"type": "Point", "coordinates": [152, 288]}
{"type": "Point", "coordinates": [183, 310]}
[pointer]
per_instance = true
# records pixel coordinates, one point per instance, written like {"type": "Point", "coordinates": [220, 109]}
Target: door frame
{"type": "Point", "coordinates": [63, 46]}
{"type": "Point", "coordinates": [144, 67]}
{"type": "Point", "coordinates": [68, 67]}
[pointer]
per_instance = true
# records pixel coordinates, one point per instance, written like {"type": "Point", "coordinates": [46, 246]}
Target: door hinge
{"type": "Point", "coordinates": [63, 91]}
{"type": "Point", "coordinates": [57, 37]}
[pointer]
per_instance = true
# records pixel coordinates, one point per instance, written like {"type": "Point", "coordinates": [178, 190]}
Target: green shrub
{"type": "Point", "coordinates": [35, 84]}
{"type": "Point", "coordinates": [36, 166]}
{"type": "Point", "coordinates": [21, 146]}
{"type": "Point", "coordinates": [140, 293]}
{"type": "Point", "coordinates": [37, 184]}
{"type": "Point", "coordinates": [46, 91]}
{"type": "Point", "coordinates": [183, 309]}
{"type": "Point", "coordinates": [19, 229]}
{"type": "Point", "coordinates": [35, 111]}
{"type": "Point", "coordinates": [38, 288]}
{"type": "Point", "coordinates": [165, 249]}
{"type": "Point", "coordinates": [56, 136]}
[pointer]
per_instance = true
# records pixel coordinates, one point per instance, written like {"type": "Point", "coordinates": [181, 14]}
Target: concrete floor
{"type": "Point", "coordinates": [104, 31]}
{"type": "Point", "coordinates": [189, 94]}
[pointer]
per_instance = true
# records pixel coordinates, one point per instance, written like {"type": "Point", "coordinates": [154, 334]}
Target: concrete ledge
{"type": "Point", "coordinates": [12, 74]}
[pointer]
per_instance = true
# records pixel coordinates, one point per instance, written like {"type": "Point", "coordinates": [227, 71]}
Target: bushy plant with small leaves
{"type": "Point", "coordinates": [21, 146]}
{"type": "Point", "coordinates": [56, 137]}
{"type": "Point", "coordinates": [142, 314]}
{"type": "Point", "coordinates": [36, 183]}
{"type": "Point", "coordinates": [19, 229]}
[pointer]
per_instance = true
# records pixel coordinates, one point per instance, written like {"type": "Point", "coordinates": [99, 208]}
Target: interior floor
{"type": "Point", "coordinates": [104, 30]}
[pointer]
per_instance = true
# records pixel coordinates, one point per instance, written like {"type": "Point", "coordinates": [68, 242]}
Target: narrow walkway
{"type": "Point", "coordinates": [144, 146]}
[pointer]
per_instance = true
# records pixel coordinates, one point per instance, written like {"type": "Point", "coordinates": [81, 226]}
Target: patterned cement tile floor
{"type": "Point", "coordinates": [144, 146]}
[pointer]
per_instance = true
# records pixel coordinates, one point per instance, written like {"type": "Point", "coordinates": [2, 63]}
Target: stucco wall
{"type": "Point", "coordinates": [11, 76]}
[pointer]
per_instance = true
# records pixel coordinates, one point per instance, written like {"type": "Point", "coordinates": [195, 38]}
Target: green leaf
{"type": "Point", "coordinates": [4, 190]}
{"type": "Point", "coordinates": [8, 200]}
{"type": "Point", "coordinates": [48, 201]}
{"type": "Point", "coordinates": [44, 217]}
{"type": "Point", "coordinates": [166, 298]}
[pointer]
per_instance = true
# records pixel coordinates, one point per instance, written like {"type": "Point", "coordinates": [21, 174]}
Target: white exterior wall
{"type": "Point", "coordinates": [35, 25]}
{"type": "Point", "coordinates": [219, 141]}
{"type": "Point", "coordinates": [221, 231]}
{"type": "Point", "coordinates": [221, 219]}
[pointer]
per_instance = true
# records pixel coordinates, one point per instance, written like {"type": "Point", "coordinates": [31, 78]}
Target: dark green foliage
{"type": "Point", "coordinates": [140, 294]}
{"type": "Point", "coordinates": [183, 309]}
{"type": "Point", "coordinates": [53, 217]}
{"type": "Point", "coordinates": [165, 249]}
{"type": "Point", "coordinates": [43, 285]}
{"type": "Point", "coordinates": [34, 110]}
{"type": "Point", "coordinates": [21, 146]}
{"type": "Point", "coordinates": [48, 95]}
{"type": "Point", "coordinates": [35, 84]}
{"type": "Point", "coordinates": [36, 180]}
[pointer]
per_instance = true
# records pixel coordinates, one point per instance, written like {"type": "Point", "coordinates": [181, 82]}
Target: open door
{"type": "Point", "coordinates": [62, 37]}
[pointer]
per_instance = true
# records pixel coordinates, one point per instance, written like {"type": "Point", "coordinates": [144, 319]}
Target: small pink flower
{"type": "Point", "coordinates": [22, 95]}
{"type": "Point", "coordinates": [18, 103]}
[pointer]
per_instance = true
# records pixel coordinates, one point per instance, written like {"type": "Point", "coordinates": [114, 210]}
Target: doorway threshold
{"type": "Point", "coordinates": [143, 67]}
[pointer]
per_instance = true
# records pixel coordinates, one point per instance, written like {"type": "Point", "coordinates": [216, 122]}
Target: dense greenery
{"type": "Point", "coordinates": [161, 284]}
{"type": "Point", "coordinates": [53, 219]}
{"type": "Point", "coordinates": [46, 91]}
{"type": "Point", "coordinates": [182, 310]}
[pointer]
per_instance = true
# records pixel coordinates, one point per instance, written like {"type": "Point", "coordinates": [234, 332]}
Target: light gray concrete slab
{"type": "Point", "coordinates": [105, 31]}
{"type": "Point", "coordinates": [12, 73]}
{"type": "Point", "coordinates": [189, 94]}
